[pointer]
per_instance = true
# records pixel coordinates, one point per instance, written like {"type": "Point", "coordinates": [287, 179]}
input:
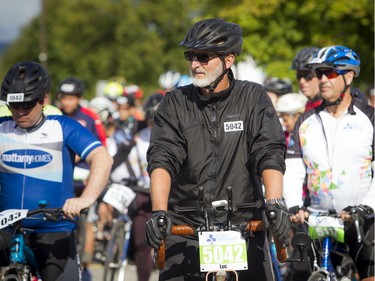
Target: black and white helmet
{"type": "Point", "coordinates": [25, 81]}
{"type": "Point", "coordinates": [278, 86]}
{"type": "Point", "coordinates": [214, 35]}
{"type": "Point", "coordinates": [169, 79]}
{"type": "Point", "coordinates": [151, 105]}
{"type": "Point", "coordinates": [71, 86]}
{"type": "Point", "coordinates": [303, 57]}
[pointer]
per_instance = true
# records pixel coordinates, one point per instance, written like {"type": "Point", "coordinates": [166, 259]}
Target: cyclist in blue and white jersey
{"type": "Point", "coordinates": [334, 145]}
{"type": "Point", "coordinates": [37, 162]}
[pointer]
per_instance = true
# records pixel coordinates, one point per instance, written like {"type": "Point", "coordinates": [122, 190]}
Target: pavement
{"type": "Point", "coordinates": [97, 270]}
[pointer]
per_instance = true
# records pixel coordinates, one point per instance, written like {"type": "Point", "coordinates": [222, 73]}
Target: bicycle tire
{"type": "Point", "coordinates": [318, 276]}
{"type": "Point", "coordinates": [114, 252]}
{"type": "Point", "coordinates": [13, 277]}
{"type": "Point", "coordinates": [80, 234]}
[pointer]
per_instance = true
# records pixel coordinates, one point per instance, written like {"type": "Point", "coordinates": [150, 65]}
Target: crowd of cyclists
{"type": "Point", "coordinates": [121, 117]}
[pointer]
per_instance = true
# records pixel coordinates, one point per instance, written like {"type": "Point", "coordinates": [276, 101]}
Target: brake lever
{"type": "Point", "coordinates": [355, 217]}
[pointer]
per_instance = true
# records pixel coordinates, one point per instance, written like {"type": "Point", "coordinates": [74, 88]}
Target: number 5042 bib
{"type": "Point", "coordinates": [221, 250]}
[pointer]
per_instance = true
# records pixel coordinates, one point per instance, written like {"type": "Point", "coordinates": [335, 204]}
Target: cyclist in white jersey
{"type": "Point", "coordinates": [334, 145]}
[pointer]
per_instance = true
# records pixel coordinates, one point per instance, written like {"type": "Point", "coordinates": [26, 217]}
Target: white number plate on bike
{"type": "Point", "coordinates": [324, 226]}
{"type": "Point", "coordinates": [221, 250]}
{"type": "Point", "coordinates": [119, 196]}
{"type": "Point", "coordinates": [10, 216]}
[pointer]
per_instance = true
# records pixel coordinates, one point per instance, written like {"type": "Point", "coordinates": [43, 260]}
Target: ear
{"type": "Point", "coordinates": [349, 76]}
{"type": "Point", "coordinates": [229, 60]}
{"type": "Point", "coordinates": [46, 99]}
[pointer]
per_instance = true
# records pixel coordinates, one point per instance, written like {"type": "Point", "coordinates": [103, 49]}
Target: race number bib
{"type": "Point", "coordinates": [221, 250]}
{"type": "Point", "coordinates": [120, 197]}
{"type": "Point", "coordinates": [233, 126]}
{"type": "Point", "coordinates": [10, 216]}
{"type": "Point", "coordinates": [324, 226]}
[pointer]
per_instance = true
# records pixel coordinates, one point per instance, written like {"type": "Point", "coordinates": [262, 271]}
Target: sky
{"type": "Point", "coordinates": [14, 14]}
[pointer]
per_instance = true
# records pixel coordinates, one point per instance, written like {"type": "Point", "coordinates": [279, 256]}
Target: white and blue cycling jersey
{"type": "Point", "coordinates": [37, 164]}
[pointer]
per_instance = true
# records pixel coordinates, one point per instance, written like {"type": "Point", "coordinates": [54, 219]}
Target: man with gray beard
{"type": "Point", "coordinates": [215, 133]}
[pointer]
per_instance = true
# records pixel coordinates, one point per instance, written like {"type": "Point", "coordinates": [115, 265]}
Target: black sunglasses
{"type": "Point", "coordinates": [330, 73]}
{"type": "Point", "coordinates": [201, 57]}
{"type": "Point", "coordinates": [24, 105]}
{"type": "Point", "coordinates": [308, 75]}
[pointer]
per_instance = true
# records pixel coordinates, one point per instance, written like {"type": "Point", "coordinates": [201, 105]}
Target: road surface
{"type": "Point", "coordinates": [131, 275]}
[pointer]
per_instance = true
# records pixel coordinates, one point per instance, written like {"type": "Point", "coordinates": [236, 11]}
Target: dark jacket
{"type": "Point", "coordinates": [227, 140]}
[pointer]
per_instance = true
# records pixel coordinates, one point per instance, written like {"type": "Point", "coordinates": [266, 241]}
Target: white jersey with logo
{"type": "Point", "coordinates": [336, 154]}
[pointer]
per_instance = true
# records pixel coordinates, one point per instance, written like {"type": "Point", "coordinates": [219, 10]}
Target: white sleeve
{"type": "Point", "coordinates": [369, 199]}
{"type": "Point", "coordinates": [293, 182]}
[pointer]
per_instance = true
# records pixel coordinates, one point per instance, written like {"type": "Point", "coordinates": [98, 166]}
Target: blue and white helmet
{"type": "Point", "coordinates": [338, 57]}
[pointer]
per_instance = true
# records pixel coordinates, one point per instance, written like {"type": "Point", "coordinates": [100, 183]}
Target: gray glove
{"type": "Point", "coordinates": [279, 221]}
{"type": "Point", "coordinates": [157, 228]}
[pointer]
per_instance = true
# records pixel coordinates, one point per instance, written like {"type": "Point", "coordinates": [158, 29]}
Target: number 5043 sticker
{"type": "Point", "coordinates": [10, 216]}
{"type": "Point", "coordinates": [221, 250]}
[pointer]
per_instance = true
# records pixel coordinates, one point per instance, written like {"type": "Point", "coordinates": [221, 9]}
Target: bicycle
{"type": "Point", "coordinates": [327, 237]}
{"type": "Point", "coordinates": [116, 254]}
{"type": "Point", "coordinates": [220, 261]}
{"type": "Point", "coordinates": [22, 262]}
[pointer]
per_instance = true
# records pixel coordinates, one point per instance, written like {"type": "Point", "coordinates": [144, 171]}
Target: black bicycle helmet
{"type": "Point", "coordinates": [214, 35]}
{"type": "Point", "coordinates": [71, 86]}
{"type": "Point", "coordinates": [278, 86]}
{"type": "Point", "coordinates": [29, 80]}
{"type": "Point", "coordinates": [303, 57]}
{"type": "Point", "coordinates": [151, 105]}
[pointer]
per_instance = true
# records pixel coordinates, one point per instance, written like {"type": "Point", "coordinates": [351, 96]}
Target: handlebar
{"type": "Point", "coordinates": [251, 226]}
{"type": "Point", "coordinates": [355, 216]}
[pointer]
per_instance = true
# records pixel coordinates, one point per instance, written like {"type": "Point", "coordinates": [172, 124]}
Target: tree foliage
{"type": "Point", "coordinates": [138, 39]}
{"type": "Point", "coordinates": [275, 30]}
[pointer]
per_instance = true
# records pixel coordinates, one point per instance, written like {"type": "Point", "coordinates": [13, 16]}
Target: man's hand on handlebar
{"type": "Point", "coordinates": [157, 228]}
{"type": "Point", "coordinates": [279, 220]}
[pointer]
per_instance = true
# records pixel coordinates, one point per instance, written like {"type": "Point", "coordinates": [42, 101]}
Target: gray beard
{"type": "Point", "coordinates": [209, 78]}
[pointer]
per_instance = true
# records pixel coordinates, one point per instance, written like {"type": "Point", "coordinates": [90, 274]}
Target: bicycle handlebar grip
{"type": "Point", "coordinates": [281, 251]}
{"type": "Point", "coordinates": [176, 230]}
{"type": "Point", "coordinates": [160, 257]}
{"type": "Point", "coordinates": [183, 230]}
{"type": "Point", "coordinates": [258, 226]}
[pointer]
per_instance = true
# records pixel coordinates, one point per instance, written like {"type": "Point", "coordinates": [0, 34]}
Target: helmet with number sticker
{"type": "Point", "coordinates": [25, 81]}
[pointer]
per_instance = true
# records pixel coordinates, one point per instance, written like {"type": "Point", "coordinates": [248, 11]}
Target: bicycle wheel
{"type": "Point", "coordinates": [116, 252]}
{"type": "Point", "coordinates": [80, 234]}
{"type": "Point", "coordinates": [12, 277]}
{"type": "Point", "coordinates": [318, 276]}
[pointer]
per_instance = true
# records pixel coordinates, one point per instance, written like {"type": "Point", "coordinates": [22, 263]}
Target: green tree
{"type": "Point", "coordinates": [138, 39]}
{"type": "Point", "coordinates": [275, 30]}
{"type": "Point", "coordinates": [99, 39]}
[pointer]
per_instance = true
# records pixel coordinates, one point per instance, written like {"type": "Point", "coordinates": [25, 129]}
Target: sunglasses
{"type": "Point", "coordinates": [201, 57]}
{"type": "Point", "coordinates": [330, 73]}
{"type": "Point", "coordinates": [307, 75]}
{"type": "Point", "coordinates": [24, 105]}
